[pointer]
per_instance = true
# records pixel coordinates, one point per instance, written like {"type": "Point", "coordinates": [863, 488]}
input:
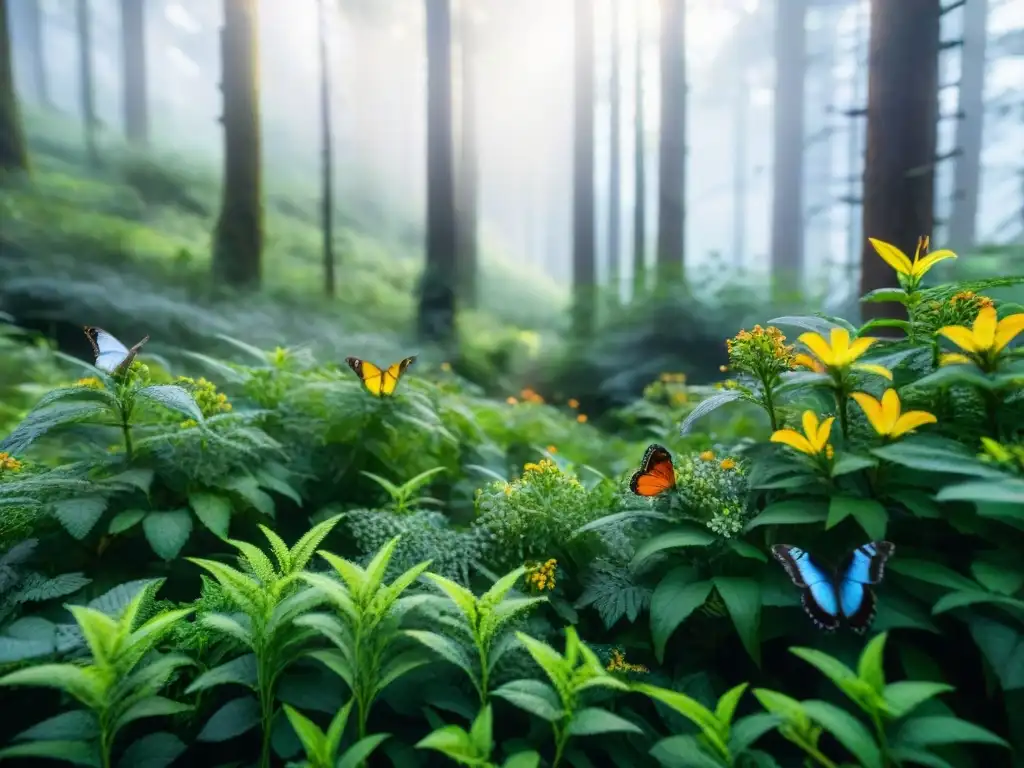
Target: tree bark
{"type": "Point", "coordinates": [788, 168]}
{"type": "Point", "coordinates": [639, 167]}
{"type": "Point", "coordinates": [583, 236]}
{"type": "Point", "coordinates": [615, 162]}
{"type": "Point", "coordinates": [967, 171]}
{"type": "Point", "coordinates": [469, 168]}
{"type": "Point", "coordinates": [437, 290]}
{"type": "Point", "coordinates": [238, 248]}
{"type": "Point", "coordinates": [672, 145]}
{"type": "Point", "coordinates": [83, 23]}
{"type": "Point", "coordinates": [899, 174]}
{"type": "Point", "coordinates": [134, 68]}
{"type": "Point", "coordinates": [326, 161]}
{"type": "Point", "coordinates": [13, 152]}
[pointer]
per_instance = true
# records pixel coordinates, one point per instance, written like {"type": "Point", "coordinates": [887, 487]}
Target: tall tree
{"type": "Point", "coordinates": [437, 290]}
{"type": "Point", "coordinates": [134, 69]}
{"type": "Point", "coordinates": [639, 164]}
{"type": "Point", "coordinates": [13, 153]}
{"type": "Point", "coordinates": [238, 240]}
{"type": "Point", "coordinates": [583, 235]}
{"type": "Point", "coordinates": [967, 171]}
{"type": "Point", "coordinates": [83, 24]}
{"type": "Point", "coordinates": [903, 103]}
{"type": "Point", "coordinates": [787, 237]}
{"type": "Point", "coordinates": [614, 161]}
{"type": "Point", "coordinates": [326, 147]}
{"type": "Point", "coordinates": [672, 145]}
{"type": "Point", "coordinates": [469, 163]}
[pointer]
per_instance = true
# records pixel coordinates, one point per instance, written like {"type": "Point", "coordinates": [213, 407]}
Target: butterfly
{"type": "Point", "coordinates": [829, 600]}
{"type": "Point", "coordinates": [379, 382]}
{"type": "Point", "coordinates": [656, 474]}
{"type": "Point", "coordinates": [111, 355]}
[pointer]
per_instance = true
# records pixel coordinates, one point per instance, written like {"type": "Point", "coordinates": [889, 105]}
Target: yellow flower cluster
{"type": "Point", "coordinates": [541, 467]}
{"type": "Point", "coordinates": [727, 464]}
{"type": "Point", "coordinates": [707, 456]}
{"type": "Point", "coordinates": [618, 663]}
{"type": "Point", "coordinates": [90, 382]}
{"type": "Point", "coordinates": [542, 576]}
{"type": "Point", "coordinates": [529, 396]}
{"type": "Point", "coordinates": [761, 352]}
{"type": "Point", "coordinates": [8, 463]}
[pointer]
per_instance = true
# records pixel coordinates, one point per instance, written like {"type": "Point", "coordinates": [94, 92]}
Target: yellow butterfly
{"type": "Point", "coordinates": [378, 382]}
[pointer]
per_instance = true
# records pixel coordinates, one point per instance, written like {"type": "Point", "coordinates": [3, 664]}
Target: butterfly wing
{"type": "Point", "coordinates": [393, 374]}
{"type": "Point", "coordinates": [656, 474]}
{"type": "Point", "coordinates": [818, 590]}
{"type": "Point", "coordinates": [111, 354]}
{"type": "Point", "coordinates": [864, 566]}
{"type": "Point", "coordinates": [371, 376]}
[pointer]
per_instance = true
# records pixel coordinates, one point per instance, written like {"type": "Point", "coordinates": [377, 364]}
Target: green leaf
{"type": "Point", "coordinates": [841, 675]}
{"type": "Point", "coordinates": [249, 489]}
{"type": "Point", "coordinates": [453, 742]}
{"type": "Point", "coordinates": [1004, 577]}
{"type": "Point", "coordinates": [122, 521]}
{"type": "Point", "coordinates": [848, 730]}
{"type": "Point", "coordinates": [791, 512]}
{"type": "Point", "coordinates": [911, 756]}
{"type": "Point", "coordinates": [744, 549]}
{"type": "Point", "coordinates": [233, 719]}
{"type": "Point", "coordinates": [728, 702]}
{"type": "Point", "coordinates": [309, 733]}
{"type": "Point", "coordinates": [869, 514]}
{"type": "Point", "coordinates": [742, 598]}
{"type": "Point", "coordinates": [679, 537]}
{"type": "Point", "coordinates": [447, 649]}
{"type": "Point", "coordinates": [683, 752]}
{"type": "Point", "coordinates": [358, 753]}
{"type": "Point", "coordinates": [903, 697]}
{"type": "Point", "coordinates": [482, 731]}
{"type": "Point", "coordinates": [76, 752]}
{"type": "Point", "coordinates": [173, 397]}
{"type": "Point", "coordinates": [157, 750]}
{"type": "Point", "coordinates": [154, 706]}
{"type": "Point", "coordinates": [1005, 491]}
{"type": "Point", "coordinates": [939, 730]}
{"type": "Point", "coordinates": [848, 463]}
{"type": "Point", "coordinates": [813, 323]}
{"type": "Point", "coordinates": [918, 502]}
{"type": "Point", "coordinates": [591, 721]}
{"type": "Point", "coordinates": [168, 532]}
{"type": "Point", "coordinates": [43, 420]}
{"type": "Point", "coordinates": [871, 668]}
{"type": "Point", "coordinates": [931, 572]}
{"type": "Point", "coordinates": [213, 511]}
{"type": "Point", "coordinates": [955, 375]}
{"type": "Point", "coordinates": [674, 599]}
{"type": "Point", "coordinates": [747, 730]}
{"type": "Point", "coordinates": [79, 515]}
{"type": "Point", "coordinates": [527, 759]}
{"type": "Point", "coordinates": [975, 597]}
{"type": "Point", "coordinates": [140, 477]}
{"type": "Point", "coordinates": [240, 671]}
{"type": "Point", "coordinates": [707, 405]}
{"type": "Point", "coordinates": [884, 294]}
{"type": "Point", "coordinates": [64, 677]}
{"type": "Point", "coordinates": [925, 457]}
{"type": "Point", "coordinates": [532, 696]}
{"type": "Point", "coordinates": [76, 725]}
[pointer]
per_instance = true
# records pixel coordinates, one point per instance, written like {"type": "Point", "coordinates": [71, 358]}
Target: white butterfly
{"type": "Point", "coordinates": [111, 354]}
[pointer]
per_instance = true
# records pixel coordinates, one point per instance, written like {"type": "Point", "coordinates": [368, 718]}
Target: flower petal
{"type": "Point", "coordinates": [808, 362]}
{"type": "Point", "coordinates": [892, 256]}
{"type": "Point", "coordinates": [891, 408]}
{"type": "Point", "coordinates": [793, 439]}
{"type": "Point", "coordinates": [818, 346]}
{"type": "Point", "coordinates": [810, 424]}
{"type": "Point", "coordinates": [959, 335]}
{"type": "Point", "coordinates": [824, 430]}
{"type": "Point", "coordinates": [911, 420]}
{"type": "Point", "coordinates": [873, 410]}
{"type": "Point", "coordinates": [860, 346]}
{"type": "Point", "coordinates": [879, 370]}
{"type": "Point", "coordinates": [954, 358]}
{"type": "Point", "coordinates": [1007, 330]}
{"type": "Point", "coordinates": [840, 338]}
{"type": "Point", "coordinates": [984, 330]}
{"type": "Point", "coordinates": [931, 260]}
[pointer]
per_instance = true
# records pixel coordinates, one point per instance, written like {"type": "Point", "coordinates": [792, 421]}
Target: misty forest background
{"type": "Point", "coordinates": [389, 166]}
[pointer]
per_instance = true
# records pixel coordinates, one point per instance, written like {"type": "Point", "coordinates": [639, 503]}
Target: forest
{"type": "Point", "coordinates": [512, 383]}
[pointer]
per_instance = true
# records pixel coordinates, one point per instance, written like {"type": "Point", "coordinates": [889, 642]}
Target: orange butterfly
{"type": "Point", "coordinates": [656, 474]}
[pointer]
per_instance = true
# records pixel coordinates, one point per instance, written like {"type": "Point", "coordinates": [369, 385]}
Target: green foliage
{"type": "Point", "coordinates": [474, 747]}
{"type": "Point", "coordinates": [322, 748]}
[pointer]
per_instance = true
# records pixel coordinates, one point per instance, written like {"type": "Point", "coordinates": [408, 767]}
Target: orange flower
{"type": "Point", "coordinates": [582, 418]}
{"type": "Point", "coordinates": [511, 400]}
{"type": "Point", "coordinates": [573, 403]}
{"type": "Point", "coordinates": [727, 464]}
{"type": "Point", "coordinates": [707, 456]}
{"type": "Point", "coordinates": [552, 449]}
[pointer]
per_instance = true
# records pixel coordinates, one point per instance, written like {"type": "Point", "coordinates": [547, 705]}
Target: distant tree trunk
{"type": "Point", "coordinates": [83, 23]}
{"type": "Point", "coordinates": [672, 146]}
{"type": "Point", "coordinates": [13, 153]}
{"type": "Point", "coordinates": [583, 236]}
{"type": "Point", "coordinates": [32, 14]}
{"type": "Point", "coordinates": [899, 174]}
{"type": "Point", "coordinates": [437, 290]}
{"type": "Point", "coordinates": [133, 61]}
{"type": "Point", "coordinates": [614, 178]}
{"type": "Point", "coordinates": [467, 186]}
{"type": "Point", "coordinates": [326, 162]}
{"type": "Point", "coordinates": [967, 171]}
{"type": "Point", "coordinates": [639, 163]}
{"type": "Point", "coordinates": [238, 247]}
{"type": "Point", "coordinates": [788, 168]}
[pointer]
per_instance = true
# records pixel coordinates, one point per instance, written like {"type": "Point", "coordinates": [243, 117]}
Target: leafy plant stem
{"type": "Point", "coordinates": [842, 407]}
{"type": "Point", "coordinates": [880, 732]}
{"type": "Point", "coordinates": [106, 743]}
{"type": "Point", "coordinates": [266, 686]}
{"type": "Point", "coordinates": [126, 430]}
{"type": "Point", "coordinates": [561, 739]}
{"type": "Point", "coordinates": [769, 404]}
{"type": "Point", "coordinates": [815, 753]}
{"type": "Point", "coordinates": [992, 412]}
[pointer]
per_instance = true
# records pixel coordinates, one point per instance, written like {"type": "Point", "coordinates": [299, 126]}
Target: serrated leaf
{"type": "Point", "coordinates": [706, 406]}
{"type": "Point", "coordinates": [79, 515]}
{"type": "Point", "coordinates": [167, 532]}
{"type": "Point", "coordinates": [532, 696]}
{"type": "Point", "coordinates": [173, 397]}
{"type": "Point", "coordinates": [683, 536]}
{"type": "Point", "coordinates": [677, 596]}
{"type": "Point", "coordinates": [125, 520]}
{"type": "Point", "coordinates": [742, 598]}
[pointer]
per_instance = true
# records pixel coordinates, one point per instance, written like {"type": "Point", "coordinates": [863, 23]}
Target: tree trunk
{"type": "Point", "coordinates": [672, 145]}
{"type": "Point", "coordinates": [437, 290]}
{"type": "Point", "coordinates": [899, 174]}
{"type": "Point", "coordinates": [34, 47]}
{"type": "Point", "coordinates": [83, 23]}
{"type": "Point", "coordinates": [13, 153]}
{"type": "Point", "coordinates": [967, 171]}
{"type": "Point", "coordinates": [614, 178]}
{"type": "Point", "coordinates": [639, 164]}
{"type": "Point", "coordinates": [133, 61]}
{"type": "Point", "coordinates": [583, 236]}
{"type": "Point", "coordinates": [238, 248]}
{"type": "Point", "coordinates": [326, 162]}
{"type": "Point", "coordinates": [788, 168]}
{"type": "Point", "coordinates": [467, 187]}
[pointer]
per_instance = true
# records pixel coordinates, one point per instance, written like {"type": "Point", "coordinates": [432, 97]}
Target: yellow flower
{"type": "Point", "coordinates": [8, 463]}
{"type": "Point", "coordinates": [542, 576]}
{"type": "Point", "coordinates": [544, 465]}
{"type": "Point", "coordinates": [727, 464]}
{"type": "Point", "coordinates": [508, 489]}
{"type": "Point", "coordinates": [582, 418]}
{"type": "Point", "coordinates": [723, 368]}
{"type": "Point", "coordinates": [838, 354]}
{"type": "Point", "coordinates": [813, 441]}
{"type": "Point", "coordinates": [985, 340]}
{"type": "Point", "coordinates": [618, 663]}
{"type": "Point", "coordinates": [90, 382]}
{"type": "Point", "coordinates": [913, 270]}
{"type": "Point", "coordinates": [511, 400]}
{"type": "Point", "coordinates": [806, 361]}
{"type": "Point", "coordinates": [707, 456]}
{"type": "Point", "coordinates": [885, 417]}
{"type": "Point", "coordinates": [573, 403]}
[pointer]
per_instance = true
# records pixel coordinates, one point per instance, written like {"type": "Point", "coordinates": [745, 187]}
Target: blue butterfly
{"type": "Point", "coordinates": [829, 600]}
